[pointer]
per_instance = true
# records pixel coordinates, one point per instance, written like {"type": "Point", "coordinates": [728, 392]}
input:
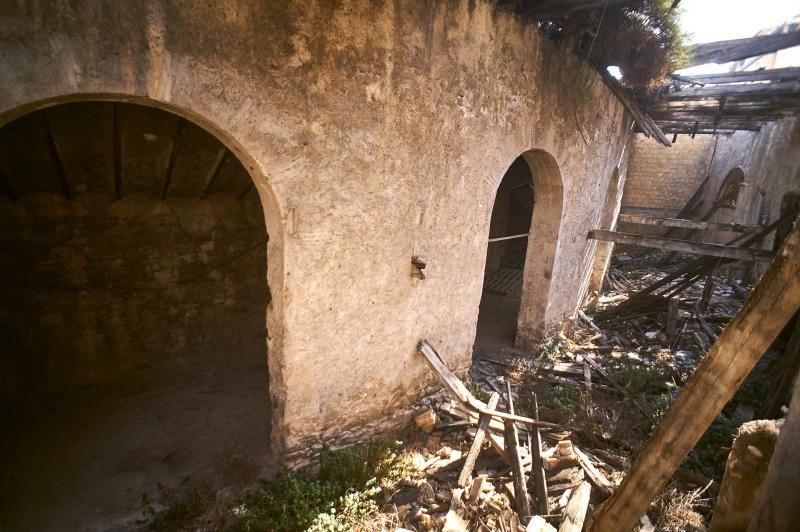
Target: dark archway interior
{"type": "Point", "coordinates": [132, 316]}
{"type": "Point", "coordinates": [505, 260]}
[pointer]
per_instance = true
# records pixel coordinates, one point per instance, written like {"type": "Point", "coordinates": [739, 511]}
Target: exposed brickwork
{"type": "Point", "coordinates": [665, 178]}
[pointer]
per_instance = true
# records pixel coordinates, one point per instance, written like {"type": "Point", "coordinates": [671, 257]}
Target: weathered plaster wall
{"type": "Point", "coordinates": [374, 131]}
{"type": "Point", "coordinates": [661, 180]}
{"type": "Point", "coordinates": [770, 159]}
{"type": "Point", "coordinates": [96, 290]}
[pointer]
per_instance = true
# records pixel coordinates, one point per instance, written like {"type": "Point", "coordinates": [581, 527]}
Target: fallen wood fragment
{"type": "Point", "coordinates": [537, 467]}
{"type": "Point", "coordinates": [538, 524]}
{"type": "Point", "coordinates": [737, 350]}
{"type": "Point", "coordinates": [521, 504]}
{"type": "Point", "coordinates": [575, 513]}
{"type": "Point", "coordinates": [477, 442]}
{"type": "Point", "coordinates": [464, 395]}
{"type": "Point", "coordinates": [595, 476]}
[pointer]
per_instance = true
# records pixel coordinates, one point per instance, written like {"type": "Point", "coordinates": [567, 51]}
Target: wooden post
{"type": "Point", "coordinates": [716, 379]}
{"type": "Point", "coordinates": [521, 504]}
{"type": "Point", "coordinates": [477, 442]}
{"type": "Point", "coordinates": [537, 467]}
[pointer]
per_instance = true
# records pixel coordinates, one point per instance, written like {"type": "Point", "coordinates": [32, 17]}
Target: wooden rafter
{"type": "Point", "coordinates": [738, 49]}
{"type": "Point", "coordinates": [685, 224]}
{"type": "Point", "coordinates": [685, 246]}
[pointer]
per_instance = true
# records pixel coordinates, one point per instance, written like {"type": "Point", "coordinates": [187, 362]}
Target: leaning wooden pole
{"type": "Point", "coordinates": [736, 351]}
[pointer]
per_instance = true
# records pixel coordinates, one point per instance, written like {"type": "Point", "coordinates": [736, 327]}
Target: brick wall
{"type": "Point", "coordinates": [664, 178]}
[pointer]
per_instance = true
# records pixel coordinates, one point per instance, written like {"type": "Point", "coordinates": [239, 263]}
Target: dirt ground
{"type": "Point", "coordinates": [86, 463]}
{"type": "Point", "coordinates": [497, 323]}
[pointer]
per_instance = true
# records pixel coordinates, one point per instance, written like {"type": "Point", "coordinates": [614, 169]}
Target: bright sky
{"type": "Point", "coordinates": [720, 20]}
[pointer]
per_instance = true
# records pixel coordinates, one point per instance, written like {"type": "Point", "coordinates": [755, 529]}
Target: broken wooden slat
{"type": "Point", "coordinates": [769, 74]}
{"type": "Point", "coordinates": [537, 466]}
{"type": "Point", "coordinates": [740, 346]}
{"type": "Point", "coordinates": [684, 224]}
{"type": "Point", "coordinates": [685, 246]}
{"type": "Point", "coordinates": [477, 442]}
{"type": "Point", "coordinates": [645, 123]}
{"type": "Point", "coordinates": [575, 512]}
{"type": "Point", "coordinates": [595, 476]}
{"type": "Point", "coordinates": [521, 503]}
{"type": "Point", "coordinates": [457, 387]}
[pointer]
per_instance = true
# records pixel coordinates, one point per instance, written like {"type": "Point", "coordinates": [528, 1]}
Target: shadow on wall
{"type": "Point", "coordinates": [132, 315]}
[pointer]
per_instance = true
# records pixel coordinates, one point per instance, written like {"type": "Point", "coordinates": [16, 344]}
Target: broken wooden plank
{"type": "Point", "coordinates": [461, 392]}
{"type": "Point", "coordinates": [521, 504]}
{"type": "Point", "coordinates": [685, 246]}
{"type": "Point", "coordinates": [477, 442]}
{"type": "Point", "coordinates": [672, 318]}
{"type": "Point", "coordinates": [740, 346]}
{"type": "Point", "coordinates": [642, 119]}
{"type": "Point", "coordinates": [575, 512]}
{"type": "Point", "coordinates": [764, 74]}
{"type": "Point", "coordinates": [737, 49]}
{"type": "Point", "coordinates": [684, 224]}
{"type": "Point", "coordinates": [595, 476]}
{"type": "Point", "coordinates": [537, 466]}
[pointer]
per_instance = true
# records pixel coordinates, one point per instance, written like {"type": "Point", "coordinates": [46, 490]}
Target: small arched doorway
{"type": "Point", "coordinates": [133, 314]}
{"type": "Point", "coordinates": [521, 251]}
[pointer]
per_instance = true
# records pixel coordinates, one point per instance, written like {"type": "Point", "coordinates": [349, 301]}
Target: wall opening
{"type": "Point", "coordinates": [134, 290]}
{"type": "Point", "coordinates": [505, 259]}
{"type": "Point", "coordinates": [728, 195]}
{"type": "Point", "coordinates": [515, 305]}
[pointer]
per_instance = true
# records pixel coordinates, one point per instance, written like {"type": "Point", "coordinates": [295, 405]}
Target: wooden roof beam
{"type": "Point", "coordinates": [684, 246]}
{"type": "Point", "coordinates": [738, 49]}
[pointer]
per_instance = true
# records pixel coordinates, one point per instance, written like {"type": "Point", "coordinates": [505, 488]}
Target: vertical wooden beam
{"type": "Point", "coordinates": [716, 379]}
{"type": "Point", "coordinates": [537, 467]}
{"type": "Point", "coordinates": [521, 503]}
{"type": "Point", "coordinates": [219, 162]}
{"type": "Point", "coordinates": [117, 133]}
{"type": "Point", "coordinates": [55, 159]}
{"type": "Point", "coordinates": [477, 442]}
{"type": "Point", "coordinates": [173, 156]}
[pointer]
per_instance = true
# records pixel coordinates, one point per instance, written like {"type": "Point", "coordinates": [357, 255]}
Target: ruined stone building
{"type": "Point", "coordinates": [227, 226]}
{"type": "Point", "coordinates": [218, 206]}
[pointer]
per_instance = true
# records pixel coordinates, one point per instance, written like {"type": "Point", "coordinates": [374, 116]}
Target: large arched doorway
{"type": "Point", "coordinates": [505, 259]}
{"type": "Point", "coordinates": [521, 252]}
{"type": "Point", "coordinates": [134, 287]}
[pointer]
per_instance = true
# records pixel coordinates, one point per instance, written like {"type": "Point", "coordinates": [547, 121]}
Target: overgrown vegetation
{"type": "Point", "coordinates": [674, 511]}
{"type": "Point", "coordinates": [344, 495]}
{"type": "Point", "coordinates": [643, 38]}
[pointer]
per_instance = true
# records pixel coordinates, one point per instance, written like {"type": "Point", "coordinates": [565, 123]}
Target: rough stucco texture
{"type": "Point", "coordinates": [374, 131]}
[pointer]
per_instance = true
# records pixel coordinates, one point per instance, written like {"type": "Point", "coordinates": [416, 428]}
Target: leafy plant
{"type": "Point", "coordinates": [343, 494]}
